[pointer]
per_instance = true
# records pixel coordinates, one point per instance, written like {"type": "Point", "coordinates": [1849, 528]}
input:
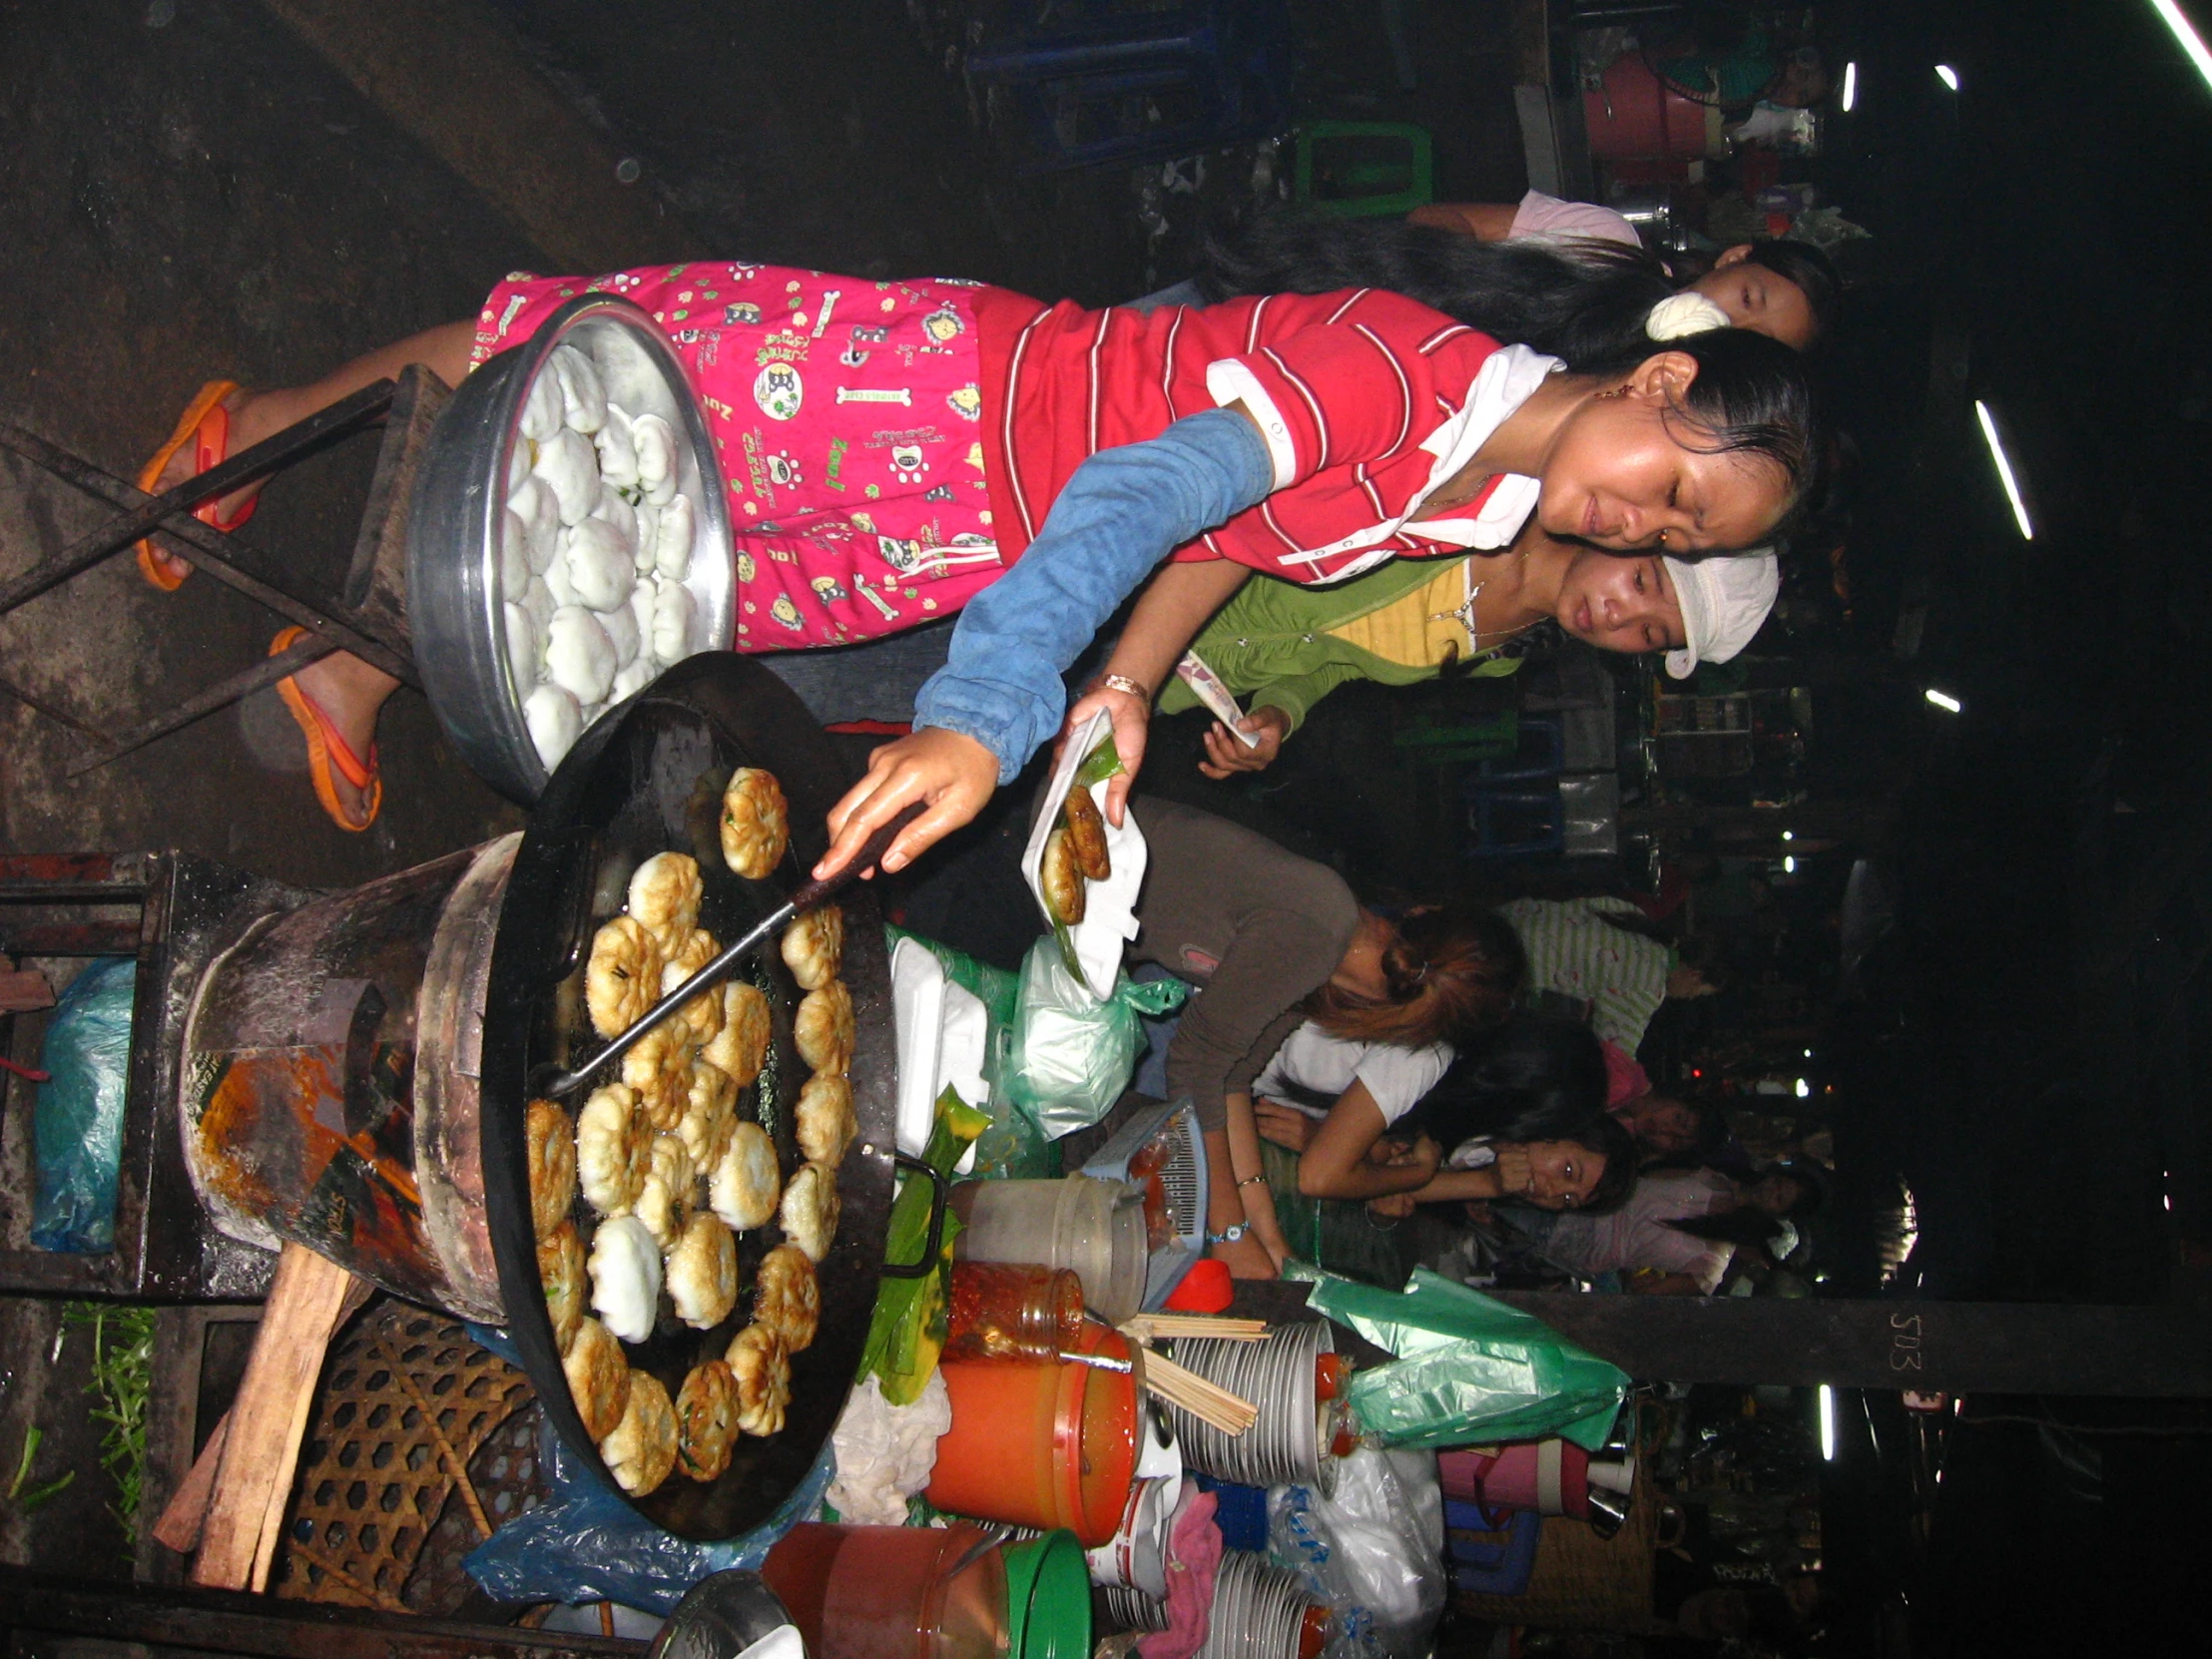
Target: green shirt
{"type": "Point", "coordinates": [1272, 644]}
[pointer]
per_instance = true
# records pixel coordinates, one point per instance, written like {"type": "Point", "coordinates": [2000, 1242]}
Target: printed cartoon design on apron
{"type": "Point", "coordinates": [843, 414]}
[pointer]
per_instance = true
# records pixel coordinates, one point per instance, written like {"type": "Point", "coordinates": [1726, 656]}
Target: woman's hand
{"type": "Point", "coordinates": [956, 774]}
{"type": "Point", "coordinates": [1392, 1206]}
{"type": "Point", "coordinates": [1516, 1174]}
{"type": "Point", "coordinates": [1285, 1126]}
{"type": "Point", "coordinates": [1248, 1258]}
{"type": "Point", "coordinates": [1687, 983]}
{"type": "Point", "coordinates": [1226, 756]}
{"type": "Point", "coordinates": [1132, 718]}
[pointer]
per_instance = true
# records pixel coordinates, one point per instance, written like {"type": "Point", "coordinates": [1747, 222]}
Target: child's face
{"type": "Point", "coordinates": [1619, 602]}
{"type": "Point", "coordinates": [1762, 300]}
{"type": "Point", "coordinates": [1562, 1174]}
{"type": "Point", "coordinates": [1621, 476]}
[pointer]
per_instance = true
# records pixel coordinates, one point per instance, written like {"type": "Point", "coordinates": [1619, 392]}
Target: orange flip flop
{"type": "Point", "coordinates": [327, 750]}
{"type": "Point", "coordinates": [206, 424]}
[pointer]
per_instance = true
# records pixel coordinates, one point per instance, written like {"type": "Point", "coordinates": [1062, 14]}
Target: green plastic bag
{"type": "Point", "coordinates": [1469, 1370]}
{"type": "Point", "coordinates": [1073, 1054]}
{"type": "Point", "coordinates": [1013, 1148]}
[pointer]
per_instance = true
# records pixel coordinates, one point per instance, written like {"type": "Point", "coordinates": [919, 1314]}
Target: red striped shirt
{"type": "Point", "coordinates": [1347, 385]}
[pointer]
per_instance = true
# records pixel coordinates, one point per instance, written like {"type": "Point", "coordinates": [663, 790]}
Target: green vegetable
{"type": "Point", "coordinates": [1100, 764]}
{"type": "Point", "coordinates": [29, 1498]}
{"type": "Point", "coordinates": [122, 1379]}
{"type": "Point", "coordinates": [906, 1334]}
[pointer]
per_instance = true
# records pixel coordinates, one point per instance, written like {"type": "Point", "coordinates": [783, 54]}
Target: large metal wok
{"type": "Point", "coordinates": [649, 779]}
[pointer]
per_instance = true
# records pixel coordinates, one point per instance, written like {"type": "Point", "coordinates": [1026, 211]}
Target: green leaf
{"type": "Point", "coordinates": [906, 1332]}
{"type": "Point", "coordinates": [1100, 764]}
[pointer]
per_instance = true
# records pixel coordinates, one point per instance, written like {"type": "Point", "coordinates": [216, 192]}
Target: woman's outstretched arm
{"type": "Point", "coordinates": [999, 698]}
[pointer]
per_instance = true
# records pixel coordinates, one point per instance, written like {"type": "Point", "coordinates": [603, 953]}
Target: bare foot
{"type": "Point", "coordinates": [350, 693]}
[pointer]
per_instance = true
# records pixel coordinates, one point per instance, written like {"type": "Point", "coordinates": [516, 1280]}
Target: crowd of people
{"type": "Point", "coordinates": [1359, 450]}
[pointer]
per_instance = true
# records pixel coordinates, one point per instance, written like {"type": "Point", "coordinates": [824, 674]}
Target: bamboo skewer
{"type": "Point", "coordinates": [1208, 1401]}
{"type": "Point", "coordinates": [1151, 1328]}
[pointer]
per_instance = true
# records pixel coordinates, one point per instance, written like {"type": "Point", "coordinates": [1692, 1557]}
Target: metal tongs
{"type": "Point", "coordinates": [550, 1080]}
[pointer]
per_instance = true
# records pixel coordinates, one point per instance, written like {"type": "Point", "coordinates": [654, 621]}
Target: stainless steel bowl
{"type": "Point", "coordinates": [453, 597]}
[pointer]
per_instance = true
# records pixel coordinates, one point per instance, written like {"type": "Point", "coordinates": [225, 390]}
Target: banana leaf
{"type": "Point", "coordinates": [906, 1332]}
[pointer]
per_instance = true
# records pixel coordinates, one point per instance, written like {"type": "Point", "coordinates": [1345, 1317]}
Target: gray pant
{"type": "Point", "coordinates": [875, 681]}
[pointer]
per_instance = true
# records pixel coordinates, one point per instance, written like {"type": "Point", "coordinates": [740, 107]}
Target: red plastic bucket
{"type": "Point", "coordinates": [1046, 1445]}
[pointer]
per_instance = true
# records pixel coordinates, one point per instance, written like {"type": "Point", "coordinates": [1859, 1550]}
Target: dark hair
{"type": "Point", "coordinates": [1812, 272]}
{"type": "Point", "coordinates": [1534, 1078]}
{"type": "Point", "coordinates": [1585, 308]}
{"type": "Point", "coordinates": [1585, 304]}
{"type": "Point", "coordinates": [1451, 974]}
{"type": "Point", "coordinates": [1750, 395]}
{"type": "Point", "coordinates": [1605, 1134]}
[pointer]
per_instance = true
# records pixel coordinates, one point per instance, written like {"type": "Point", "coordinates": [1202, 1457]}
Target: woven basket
{"type": "Point", "coordinates": [406, 1402]}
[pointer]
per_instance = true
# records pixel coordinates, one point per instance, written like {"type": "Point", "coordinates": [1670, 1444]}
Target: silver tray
{"type": "Point", "coordinates": [453, 597]}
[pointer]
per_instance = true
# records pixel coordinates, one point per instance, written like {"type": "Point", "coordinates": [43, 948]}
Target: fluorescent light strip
{"type": "Point", "coordinates": [2176, 19]}
{"type": "Point", "coordinates": [1851, 81]}
{"type": "Point", "coordinates": [1828, 1425]}
{"type": "Point", "coordinates": [1943, 700]}
{"type": "Point", "coordinates": [2004, 468]}
{"type": "Point", "coordinates": [1947, 75]}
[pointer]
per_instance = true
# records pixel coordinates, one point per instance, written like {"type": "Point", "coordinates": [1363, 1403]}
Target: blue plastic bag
{"type": "Point", "coordinates": [78, 1121]}
{"type": "Point", "coordinates": [588, 1544]}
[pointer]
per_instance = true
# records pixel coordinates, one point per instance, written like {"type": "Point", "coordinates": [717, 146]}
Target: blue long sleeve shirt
{"type": "Point", "coordinates": [1123, 513]}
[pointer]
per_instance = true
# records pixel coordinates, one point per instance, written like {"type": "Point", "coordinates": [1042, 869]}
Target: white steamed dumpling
{"type": "Point", "coordinates": [648, 535]}
{"type": "Point", "coordinates": [623, 633]}
{"type": "Point", "coordinates": [672, 620]}
{"type": "Point", "coordinates": [655, 441]}
{"type": "Point", "coordinates": [600, 570]}
{"type": "Point", "coordinates": [569, 466]}
{"type": "Point", "coordinates": [618, 512]}
{"type": "Point", "coordinates": [541, 410]}
{"type": "Point", "coordinates": [618, 456]}
{"type": "Point", "coordinates": [533, 502]}
{"type": "Point", "coordinates": [555, 722]}
{"type": "Point", "coordinates": [672, 545]}
{"type": "Point", "coordinates": [522, 646]}
{"type": "Point", "coordinates": [556, 578]}
{"type": "Point", "coordinates": [537, 599]}
{"type": "Point", "coordinates": [583, 398]}
{"type": "Point", "coordinates": [518, 465]}
{"type": "Point", "coordinates": [514, 552]}
{"type": "Point", "coordinates": [578, 657]}
{"type": "Point", "coordinates": [634, 678]}
{"type": "Point", "coordinates": [624, 1277]}
{"type": "Point", "coordinates": [642, 599]}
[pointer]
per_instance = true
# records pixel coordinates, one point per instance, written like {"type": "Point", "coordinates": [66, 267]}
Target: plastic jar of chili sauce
{"type": "Point", "coordinates": [1010, 1311]}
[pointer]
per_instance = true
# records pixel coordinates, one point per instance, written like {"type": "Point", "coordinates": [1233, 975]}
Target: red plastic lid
{"type": "Point", "coordinates": [1206, 1289]}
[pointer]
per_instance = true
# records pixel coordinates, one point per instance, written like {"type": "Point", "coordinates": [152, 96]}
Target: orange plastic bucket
{"type": "Point", "coordinates": [1046, 1445]}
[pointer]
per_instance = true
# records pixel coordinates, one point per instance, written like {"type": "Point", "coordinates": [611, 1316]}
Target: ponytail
{"type": "Point", "coordinates": [1449, 973]}
{"type": "Point", "coordinates": [1585, 308]}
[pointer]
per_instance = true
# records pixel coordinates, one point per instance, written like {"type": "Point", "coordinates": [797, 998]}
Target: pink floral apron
{"type": "Point", "coordinates": [845, 413]}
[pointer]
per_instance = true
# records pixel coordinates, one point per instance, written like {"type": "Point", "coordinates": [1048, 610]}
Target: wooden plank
{"type": "Point", "coordinates": [376, 580]}
{"type": "Point", "coordinates": [257, 1628]}
{"type": "Point", "coordinates": [1962, 1346]}
{"type": "Point", "coordinates": [253, 1481]}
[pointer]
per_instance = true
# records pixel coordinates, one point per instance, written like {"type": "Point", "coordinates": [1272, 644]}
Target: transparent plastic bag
{"type": "Point", "coordinates": [1469, 1370]}
{"type": "Point", "coordinates": [1374, 1550]}
{"type": "Point", "coordinates": [1074, 1054]}
{"type": "Point", "coordinates": [588, 1544]}
{"type": "Point", "coordinates": [585, 1542]}
{"type": "Point", "coordinates": [78, 1121]}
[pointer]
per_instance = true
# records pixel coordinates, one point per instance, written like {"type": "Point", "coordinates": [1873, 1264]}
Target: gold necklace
{"type": "Point", "coordinates": [1463, 612]}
